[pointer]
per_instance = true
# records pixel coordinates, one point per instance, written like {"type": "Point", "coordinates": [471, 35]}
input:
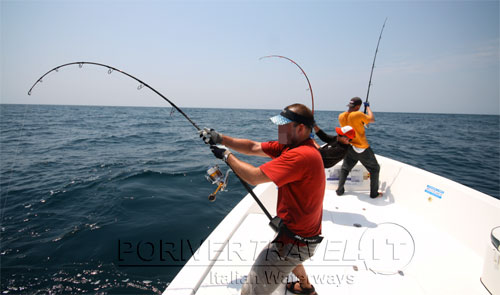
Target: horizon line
{"type": "Point", "coordinates": [231, 108]}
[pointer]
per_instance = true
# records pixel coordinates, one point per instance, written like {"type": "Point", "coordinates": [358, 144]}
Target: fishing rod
{"type": "Point", "coordinates": [110, 70]}
{"type": "Point", "coordinates": [303, 72]}
{"type": "Point", "coordinates": [373, 65]}
{"type": "Point", "coordinates": [213, 174]}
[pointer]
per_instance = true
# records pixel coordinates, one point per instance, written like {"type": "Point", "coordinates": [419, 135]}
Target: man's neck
{"type": "Point", "coordinates": [291, 146]}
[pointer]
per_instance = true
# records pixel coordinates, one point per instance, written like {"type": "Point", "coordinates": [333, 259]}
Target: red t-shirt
{"type": "Point", "coordinates": [300, 177]}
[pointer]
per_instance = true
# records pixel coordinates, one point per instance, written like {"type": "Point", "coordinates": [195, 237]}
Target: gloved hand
{"type": "Point", "coordinates": [367, 104]}
{"type": "Point", "coordinates": [210, 136]}
{"type": "Point", "coordinates": [220, 152]}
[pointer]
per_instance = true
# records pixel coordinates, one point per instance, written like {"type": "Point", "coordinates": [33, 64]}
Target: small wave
{"type": "Point", "coordinates": [77, 229]}
{"type": "Point", "coordinates": [100, 139]}
{"type": "Point", "coordinates": [76, 278]}
{"type": "Point", "coordinates": [74, 185]}
{"type": "Point", "coordinates": [150, 174]}
{"type": "Point", "coordinates": [148, 125]}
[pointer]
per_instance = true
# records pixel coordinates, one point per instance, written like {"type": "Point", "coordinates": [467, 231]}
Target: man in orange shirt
{"type": "Point", "coordinates": [359, 150]}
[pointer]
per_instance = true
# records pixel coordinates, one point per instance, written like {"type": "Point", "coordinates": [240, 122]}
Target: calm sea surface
{"type": "Point", "coordinates": [84, 188]}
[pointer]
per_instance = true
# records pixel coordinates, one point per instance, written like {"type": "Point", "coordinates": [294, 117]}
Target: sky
{"type": "Point", "coordinates": [434, 56]}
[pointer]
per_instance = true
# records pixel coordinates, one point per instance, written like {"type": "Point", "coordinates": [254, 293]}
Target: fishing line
{"type": "Point", "coordinates": [4, 205]}
{"type": "Point", "coordinates": [373, 65]}
{"type": "Point", "coordinates": [141, 85]}
{"type": "Point", "coordinates": [303, 72]}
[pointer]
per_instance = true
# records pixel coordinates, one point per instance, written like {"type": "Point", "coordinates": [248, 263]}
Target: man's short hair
{"type": "Point", "coordinates": [302, 110]}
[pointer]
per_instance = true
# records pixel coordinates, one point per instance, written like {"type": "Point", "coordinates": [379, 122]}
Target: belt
{"type": "Point", "coordinates": [279, 227]}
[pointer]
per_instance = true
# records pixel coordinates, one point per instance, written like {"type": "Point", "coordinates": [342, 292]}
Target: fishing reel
{"type": "Point", "coordinates": [215, 176]}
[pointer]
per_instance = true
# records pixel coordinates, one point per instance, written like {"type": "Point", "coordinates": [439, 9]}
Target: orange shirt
{"type": "Point", "coordinates": [356, 120]}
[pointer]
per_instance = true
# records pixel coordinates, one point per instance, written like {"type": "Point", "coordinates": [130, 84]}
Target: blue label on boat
{"type": "Point", "coordinates": [434, 191]}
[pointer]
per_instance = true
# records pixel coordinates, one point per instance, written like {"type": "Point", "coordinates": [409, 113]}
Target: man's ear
{"type": "Point", "coordinates": [303, 130]}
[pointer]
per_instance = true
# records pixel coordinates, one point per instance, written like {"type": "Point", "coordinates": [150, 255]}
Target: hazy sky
{"type": "Point", "coordinates": [434, 57]}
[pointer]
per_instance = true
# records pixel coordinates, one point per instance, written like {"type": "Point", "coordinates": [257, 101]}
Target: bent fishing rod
{"type": "Point", "coordinates": [373, 65]}
{"type": "Point", "coordinates": [141, 85]}
{"type": "Point", "coordinates": [303, 72]}
{"type": "Point", "coordinates": [110, 70]}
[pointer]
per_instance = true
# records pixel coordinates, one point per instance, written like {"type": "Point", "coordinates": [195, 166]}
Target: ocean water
{"type": "Point", "coordinates": [95, 199]}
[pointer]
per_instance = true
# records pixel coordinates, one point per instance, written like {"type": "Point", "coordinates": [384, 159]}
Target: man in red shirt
{"type": "Point", "coordinates": [297, 169]}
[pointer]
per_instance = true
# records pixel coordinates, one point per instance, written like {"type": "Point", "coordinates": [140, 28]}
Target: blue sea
{"type": "Point", "coordinates": [113, 200]}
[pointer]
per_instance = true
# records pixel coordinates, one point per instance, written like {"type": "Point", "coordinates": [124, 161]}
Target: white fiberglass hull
{"type": "Point", "coordinates": [427, 235]}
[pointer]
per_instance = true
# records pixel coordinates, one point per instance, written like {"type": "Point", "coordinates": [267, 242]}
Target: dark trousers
{"type": "Point", "coordinates": [367, 158]}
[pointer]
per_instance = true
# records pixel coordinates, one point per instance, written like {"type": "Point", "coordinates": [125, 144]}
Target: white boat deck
{"type": "Point", "coordinates": [371, 246]}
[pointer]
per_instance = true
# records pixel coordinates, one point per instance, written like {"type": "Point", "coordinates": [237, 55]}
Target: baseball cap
{"type": "Point", "coordinates": [346, 131]}
{"type": "Point", "coordinates": [287, 116]}
{"type": "Point", "coordinates": [355, 101]}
